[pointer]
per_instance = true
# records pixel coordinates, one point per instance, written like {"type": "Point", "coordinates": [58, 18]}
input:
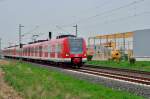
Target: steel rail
{"type": "Point", "coordinates": [141, 80]}
{"type": "Point", "coordinates": [118, 69]}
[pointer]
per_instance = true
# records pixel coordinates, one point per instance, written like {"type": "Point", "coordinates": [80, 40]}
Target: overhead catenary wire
{"type": "Point", "coordinates": [61, 28]}
{"type": "Point", "coordinates": [95, 16]}
{"type": "Point", "coordinates": [97, 7]}
{"type": "Point", "coordinates": [30, 32]}
{"type": "Point", "coordinates": [56, 28]}
{"type": "Point", "coordinates": [116, 9]}
{"type": "Point", "coordinates": [122, 18]}
{"type": "Point", "coordinates": [106, 12]}
{"type": "Point", "coordinates": [98, 15]}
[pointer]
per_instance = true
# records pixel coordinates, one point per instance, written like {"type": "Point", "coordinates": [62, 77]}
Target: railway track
{"type": "Point", "coordinates": [118, 69]}
{"type": "Point", "coordinates": [128, 76]}
{"type": "Point", "coordinates": [119, 74]}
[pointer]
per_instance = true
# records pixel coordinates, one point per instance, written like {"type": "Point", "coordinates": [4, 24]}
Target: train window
{"type": "Point", "coordinates": [26, 50]}
{"type": "Point", "coordinates": [49, 48]}
{"type": "Point", "coordinates": [52, 48]}
{"type": "Point", "coordinates": [32, 49]}
{"type": "Point", "coordinates": [76, 45]}
{"type": "Point", "coordinates": [44, 48]}
{"type": "Point", "coordinates": [36, 49]}
{"type": "Point", "coordinates": [58, 48]}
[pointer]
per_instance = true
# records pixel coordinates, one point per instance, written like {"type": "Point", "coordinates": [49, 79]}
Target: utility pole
{"type": "Point", "coordinates": [0, 49]}
{"type": "Point", "coordinates": [20, 40]}
{"type": "Point", "coordinates": [76, 26]}
{"type": "Point", "coordinates": [34, 38]}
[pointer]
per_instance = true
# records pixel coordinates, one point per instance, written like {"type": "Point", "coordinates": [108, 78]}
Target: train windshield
{"type": "Point", "coordinates": [76, 45]}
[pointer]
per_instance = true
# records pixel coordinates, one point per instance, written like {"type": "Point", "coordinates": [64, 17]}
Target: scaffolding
{"type": "Point", "coordinates": [103, 45]}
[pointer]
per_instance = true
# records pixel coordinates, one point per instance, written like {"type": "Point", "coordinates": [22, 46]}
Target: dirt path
{"type": "Point", "coordinates": [6, 92]}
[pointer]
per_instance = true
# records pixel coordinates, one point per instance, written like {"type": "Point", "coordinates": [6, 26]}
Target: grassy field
{"type": "Point", "coordinates": [139, 65]}
{"type": "Point", "coordinates": [34, 82]}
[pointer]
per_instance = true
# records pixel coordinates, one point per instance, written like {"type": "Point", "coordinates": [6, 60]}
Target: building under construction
{"type": "Point", "coordinates": [128, 44]}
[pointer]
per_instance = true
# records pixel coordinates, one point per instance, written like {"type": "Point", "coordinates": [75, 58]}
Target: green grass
{"type": "Point", "coordinates": [35, 82]}
{"type": "Point", "coordinates": [139, 65]}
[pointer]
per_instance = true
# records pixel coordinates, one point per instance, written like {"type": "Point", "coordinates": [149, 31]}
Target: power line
{"type": "Point", "coordinates": [125, 18]}
{"type": "Point", "coordinates": [116, 9]}
{"type": "Point", "coordinates": [90, 9]}
{"type": "Point", "coordinates": [97, 7]}
{"type": "Point", "coordinates": [30, 32]}
{"type": "Point", "coordinates": [109, 11]}
{"type": "Point", "coordinates": [101, 14]}
{"type": "Point", "coordinates": [61, 28]}
{"type": "Point", "coordinates": [57, 27]}
{"type": "Point", "coordinates": [131, 16]}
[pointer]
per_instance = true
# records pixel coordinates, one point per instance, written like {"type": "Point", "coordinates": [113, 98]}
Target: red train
{"type": "Point", "coordinates": [63, 49]}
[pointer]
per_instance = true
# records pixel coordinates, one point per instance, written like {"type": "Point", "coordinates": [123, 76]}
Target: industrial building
{"type": "Point", "coordinates": [129, 44]}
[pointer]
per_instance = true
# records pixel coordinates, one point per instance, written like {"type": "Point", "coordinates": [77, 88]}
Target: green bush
{"type": "Point", "coordinates": [132, 60]}
{"type": "Point", "coordinates": [124, 57]}
{"type": "Point", "coordinates": [89, 57]}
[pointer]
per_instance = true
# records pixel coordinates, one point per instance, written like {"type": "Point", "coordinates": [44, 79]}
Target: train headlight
{"type": "Point", "coordinates": [67, 55]}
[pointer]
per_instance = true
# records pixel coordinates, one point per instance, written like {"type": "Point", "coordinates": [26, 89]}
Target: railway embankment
{"type": "Point", "coordinates": [34, 82]}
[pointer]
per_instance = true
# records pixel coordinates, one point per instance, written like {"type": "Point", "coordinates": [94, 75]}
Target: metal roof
{"type": "Point", "coordinates": [114, 36]}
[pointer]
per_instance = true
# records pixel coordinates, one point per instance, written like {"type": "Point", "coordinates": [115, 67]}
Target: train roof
{"type": "Point", "coordinates": [63, 36]}
{"type": "Point", "coordinates": [60, 37]}
{"type": "Point", "coordinates": [38, 41]}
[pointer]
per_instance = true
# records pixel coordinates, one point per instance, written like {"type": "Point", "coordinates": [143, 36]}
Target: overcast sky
{"type": "Point", "coordinates": [93, 17]}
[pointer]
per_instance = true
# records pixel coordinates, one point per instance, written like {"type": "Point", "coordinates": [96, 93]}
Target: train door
{"type": "Point", "coordinates": [36, 51]}
{"type": "Point", "coordinates": [40, 51]}
{"type": "Point", "coordinates": [46, 51]}
{"type": "Point", "coordinates": [49, 50]}
{"type": "Point", "coordinates": [15, 51]}
{"type": "Point", "coordinates": [56, 50]}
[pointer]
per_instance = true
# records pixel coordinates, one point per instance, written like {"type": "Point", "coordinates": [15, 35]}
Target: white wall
{"type": "Point", "coordinates": [141, 44]}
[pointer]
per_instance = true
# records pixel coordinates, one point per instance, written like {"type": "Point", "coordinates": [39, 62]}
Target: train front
{"type": "Point", "coordinates": [77, 49]}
